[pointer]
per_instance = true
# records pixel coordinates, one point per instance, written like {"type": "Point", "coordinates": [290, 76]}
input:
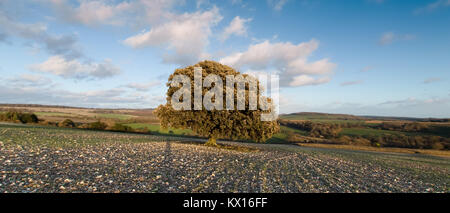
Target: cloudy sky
{"type": "Point", "coordinates": [364, 57]}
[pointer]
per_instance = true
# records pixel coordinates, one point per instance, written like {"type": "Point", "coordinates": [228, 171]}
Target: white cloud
{"type": "Point", "coordinates": [348, 83]}
{"type": "Point", "coordinates": [2, 37]}
{"type": "Point", "coordinates": [234, 2]}
{"type": "Point", "coordinates": [136, 13]}
{"type": "Point", "coordinates": [33, 78]}
{"type": "Point", "coordinates": [103, 93]}
{"type": "Point", "coordinates": [65, 61]}
{"type": "Point", "coordinates": [387, 38]}
{"type": "Point", "coordinates": [290, 60]}
{"type": "Point", "coordinates": [91, 12]}
{"type": "Point", "coordinates": [186, 35]}
{"type": "Point", "coordinates": [431, 80]}
{"type": "Point", "coordinates": [367, 68]}
{"type": "Point", "coordinates": [183, 37]}
{"type": "Point", "coordinates": [36, 89]}
{"type": "Point", "coordinates": [265, 54]}
{"type": "Point", "coordinates": [30, 80]}
{"type": "Point", "coordinates": [390, 37]}
{"type": "Point", "coordinates": [108, 98]}
{"type": "Point", "coordinates": [37, 32]}
{"type": "Point", "coordinates": [143, 86]}
{"type": "Point", "coordinates": [200, 3]}
{"type": "Point", "coordinates": [433, 6]}
{"type": "Point", "coordinates": [304, 80]}
{"type": "Point", "coordinates": [73, 68]}
{"type": "Point", "coordinates": [377, 1]}
{"type": "Point", "coordinates": [411, 101]}
{"type": "Point", "coordinates": [408, 107]}
{"type": "Point", "coordinates": [236, 27]}
{"type": "Point", "coordinates": [277, 4]}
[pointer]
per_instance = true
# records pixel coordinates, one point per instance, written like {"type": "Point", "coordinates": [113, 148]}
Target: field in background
{"type": "Point", "coordinates": [156, 128]}
{"type": "Point", "coordinates": [58, 114]}
{"type": "Point", "coordinates": [352, 130]}
{"type": "Point", "coordinates": [322, 128]}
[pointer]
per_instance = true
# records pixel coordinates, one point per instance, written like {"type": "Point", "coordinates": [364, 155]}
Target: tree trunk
{"type": "Point", "coordinates": [211, 142]}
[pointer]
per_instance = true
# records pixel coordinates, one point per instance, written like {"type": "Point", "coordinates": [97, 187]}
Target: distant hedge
{"type": "Point", "coordinates": [19, 117]}
{"type": "Point", "coordinates": [97, 125]}
{"type": "Point", "coordinates": [331, 131]}
{"type": "Point", "coordinates": [315, 129]}
{"type": "Point", "coordinates": [121, 128]}
{"type": "Point", "coordinates": [67, 123]}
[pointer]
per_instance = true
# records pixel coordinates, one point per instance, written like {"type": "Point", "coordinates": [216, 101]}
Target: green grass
{"type": "Point", "coordinates": [45, 136]}
{"type": "Point", "coordinates": [155, 128]}
{"type": "Point", "coordinates": [285, 129]}
{"type": "Point", "coordinates": [114, 116]}
{"type": "Point", "coordinates": [282, 136]}
{"type": "Point", "coordinates": [54, 114]}
{"type": "Point", "coordinates": [278, 138]}
{"type": "Point", "coordinates": [321, 119]}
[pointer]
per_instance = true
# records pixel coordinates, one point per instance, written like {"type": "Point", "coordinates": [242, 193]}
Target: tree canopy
{"type": "Point", "coordinates": [228, 124]}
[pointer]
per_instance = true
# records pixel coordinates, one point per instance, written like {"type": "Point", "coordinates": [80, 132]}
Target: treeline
{"type": "Point", "coordinates": [399, 141]}
{"type": "Point", "coordinates": [97, 125]}
{"type": "Point", "coordinates": [320, 130]}
{"type": "Point", "coordinates": [331, 132]}
{"type": "Point", "coordinates": [404, 127]}
{"type": "Point", "coordinates": [418, 141]}
{"type": "Point", "coordinates": [22, 117]}
{"type": "Point", "coordinates": [437, 120]}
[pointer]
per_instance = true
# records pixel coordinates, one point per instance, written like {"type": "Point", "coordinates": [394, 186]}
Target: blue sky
{"type": "Point", "coordinates": [364, 57]}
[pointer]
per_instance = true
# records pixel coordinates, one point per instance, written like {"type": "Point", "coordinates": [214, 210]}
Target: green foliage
{"type": "Point", "coordinates": [67, 123]}
{"type": "Point", "coordinates": [438, 146]}
{"type": "Point", "coordinates": [156, 128]}
{"type": "Point", "coordinates": [363, 132]}
{"type": "Point", "coordinates": [405, 141]}
{"type": "Point", "coordinates": [390, 138]}
{"type": "Point", "coordinates": [230, 124]}
{"type": "Point", "coordinates": [121, 128]}
{"type": "Point", "coordinates": [343, 139]}
{"type": "Point", "coordinates": [393, 134]}
{"type": "Point", "coordinates": [19, 117]}
{"type": "Point", "coordinates": [404, 126]}
{"type": "Point", "coordinates": [325, 130]}
{"type": "Point", "coordinates": [97, 125]}
{"type": "Point", "coordinates": [28, 118]}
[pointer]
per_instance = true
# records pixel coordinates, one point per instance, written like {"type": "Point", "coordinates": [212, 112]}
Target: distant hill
{"type": "Point", "coordinates": [346, 117]}
{"type": "Point", "coordinates": [68, 107]}
{"type": "Point", "coordinates": [319, 116]}
{"type": "Point", "coordinates": [390, 118]}
{"type": "Point", "coordinates": [39, 105]}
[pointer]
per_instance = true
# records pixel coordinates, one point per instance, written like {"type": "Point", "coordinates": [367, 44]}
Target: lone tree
{"type": "Point", "coordinates": [228, 124]}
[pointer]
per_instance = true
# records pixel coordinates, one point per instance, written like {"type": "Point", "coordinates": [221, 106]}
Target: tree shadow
{"type": "Point", "coordinates": [168, 172]}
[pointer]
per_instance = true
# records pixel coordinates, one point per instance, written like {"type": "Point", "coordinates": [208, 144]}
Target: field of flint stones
{"type": "Point", "coordinates": [49, 159]}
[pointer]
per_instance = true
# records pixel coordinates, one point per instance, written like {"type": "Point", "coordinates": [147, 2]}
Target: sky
{"type": "Point", "coordinates": [362, 57]}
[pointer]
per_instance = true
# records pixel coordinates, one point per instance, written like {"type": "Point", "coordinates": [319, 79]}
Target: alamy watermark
{"type": "Point", "coordinates": [216, 92]}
